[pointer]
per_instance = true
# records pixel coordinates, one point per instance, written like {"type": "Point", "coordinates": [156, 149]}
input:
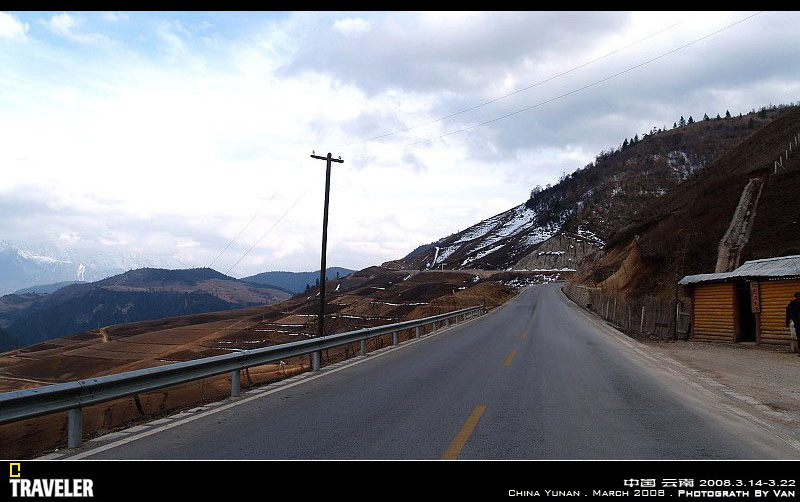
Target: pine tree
{"type": "Point", "coordinates": [691, 120]}
{"type": "Point", "coordinates": [705, 116]}
{"type": "Point", "coordinates": [728, 114]}
{"type": "Point", "coordinates": [625, 144]}
{"type": "Point", "coordinates": [682, 121]}
{"type": "Point", "coordinates": [674, 125]}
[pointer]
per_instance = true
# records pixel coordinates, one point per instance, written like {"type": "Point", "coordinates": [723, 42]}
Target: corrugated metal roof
{"type": "Point", "coordinates": [784, 266]}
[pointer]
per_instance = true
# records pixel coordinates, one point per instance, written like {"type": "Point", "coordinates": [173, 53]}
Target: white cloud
{"type": "Point", "coordinates": [69, 237]}
{"type": "Point", "coordinates": [115, 17]}
{"type": "Point", "coordinates": [351, 26]}
{"type": "Point", "coordinates": [11, 27]}
{"type": "Point", "coordinates": [63, 24]}
{"type": "Point", "coordinates": [170, 145]}
{"type": "Point", "coordinates": [66, 25]}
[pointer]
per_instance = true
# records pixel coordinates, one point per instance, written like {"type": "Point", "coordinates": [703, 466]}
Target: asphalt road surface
{"type": "Point", "coordinates": [537, 379]}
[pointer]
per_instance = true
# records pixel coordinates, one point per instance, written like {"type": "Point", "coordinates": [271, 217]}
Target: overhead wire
{"type": "Point", "coordinates": [268, 231]}
{"type": "Point", "coordinates": [507, 115]}
{"type": "Point", "coordinates": [475, 107]}
{"type": "Point", "coordinates": [597, 82]}
{"type": "Point", "coordinates": [240, 232]}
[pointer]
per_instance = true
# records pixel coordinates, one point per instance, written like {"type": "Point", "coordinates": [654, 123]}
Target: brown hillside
{"type": "Point", "coordinates": [597, 200]}
{"type": "Point", "coordinates": [776, 228]}
{"type": "Point", "coordinates": [680, 233]}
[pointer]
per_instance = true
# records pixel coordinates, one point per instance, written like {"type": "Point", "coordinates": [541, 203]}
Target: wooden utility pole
{"type": "Point", "coordinates": [328, 159]}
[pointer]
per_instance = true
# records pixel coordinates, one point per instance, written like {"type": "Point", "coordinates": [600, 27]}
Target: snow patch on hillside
{"type": "Point", "coordinates": [531, 281]}
{"type": "Point", "coordinates": [480, 229]}
{"type": "Point", "coordinates": [681, 164]}
{"type": "Point", "coordinates": [482, 254]}
{"type": "Point", "coordinates": [540, 234]}
{"type": "Point", "coordinates": [521, 219]}
{"type": "Point", "coordinates": [443, 255]}
{"type": "Point", "coordinates": [590, 236]}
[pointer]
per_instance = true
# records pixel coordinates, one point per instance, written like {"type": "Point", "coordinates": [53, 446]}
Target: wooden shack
{"type": "Point", "coordinates": [745, 305]}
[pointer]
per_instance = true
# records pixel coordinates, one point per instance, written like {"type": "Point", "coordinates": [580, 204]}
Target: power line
{"type": "Point", "coordinates": [509, 94]}
{"type": "Point", "coordinates": [581, 88]}
{"type": "Point", "coordinates": [240, 232]}
{"type": "Point", "coordinates": [268, 231]}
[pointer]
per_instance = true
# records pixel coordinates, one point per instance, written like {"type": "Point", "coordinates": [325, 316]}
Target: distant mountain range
{"type": "Point", "coordinates": [296, 282]}
{"type": "Point", "coordinates": [43, 289]}
{"type": "Point", "coordinates": [135, 295]}
{"type": "Point", "coordinates": [22, 266]}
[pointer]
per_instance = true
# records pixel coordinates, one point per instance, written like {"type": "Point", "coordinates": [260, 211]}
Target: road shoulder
{"type": "Point", "coordinates": [759, 385]}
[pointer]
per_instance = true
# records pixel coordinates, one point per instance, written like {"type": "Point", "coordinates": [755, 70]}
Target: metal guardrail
{"type": "Point", "coordinates": [73, 396]}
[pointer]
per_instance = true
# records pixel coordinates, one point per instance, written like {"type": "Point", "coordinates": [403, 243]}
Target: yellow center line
{"type": "Point", "coordinates": [509, 357]}
{"type": "Point", "coordinates": [463, 435]}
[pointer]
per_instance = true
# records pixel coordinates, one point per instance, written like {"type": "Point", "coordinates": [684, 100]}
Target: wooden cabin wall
{"type": "Point", "coordinates": [713, 312]}
{"type": "Point", "coordinates": [775, 296]}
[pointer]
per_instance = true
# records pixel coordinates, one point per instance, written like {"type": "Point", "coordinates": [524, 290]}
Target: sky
{"type": "Point", "coordinates": [172, 133]}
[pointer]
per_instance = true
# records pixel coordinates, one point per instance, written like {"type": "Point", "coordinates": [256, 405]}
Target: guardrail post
{"type": "Point", "coordinates": [315, 357]}
{"type": "Point", "coordinates": [74, 427]}
{"type": "Point", "coordinates": [394, 338]}
{"type": "Point", "coordinates": [416, 332]}
{"type": "Point", "coordinates": [363, 351]}
{"type": "Point", "coordinates": [236, 383]}
{"type": "Point", "coordinates": [447, 322]}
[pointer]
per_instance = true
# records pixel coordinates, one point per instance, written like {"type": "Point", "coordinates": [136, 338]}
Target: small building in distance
{"type": "Point", "coordinates": [745, 305]}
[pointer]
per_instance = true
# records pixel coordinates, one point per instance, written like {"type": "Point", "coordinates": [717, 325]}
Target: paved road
{"type": "Point", "coordinates": [536, 379]}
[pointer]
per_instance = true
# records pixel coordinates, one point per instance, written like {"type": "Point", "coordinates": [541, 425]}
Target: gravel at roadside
{"type": "Point", "coordinates": [771, 376]}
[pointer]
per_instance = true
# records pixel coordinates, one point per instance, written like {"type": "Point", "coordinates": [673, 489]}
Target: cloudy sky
{"type": "Point", "coordinates": [167, 133]}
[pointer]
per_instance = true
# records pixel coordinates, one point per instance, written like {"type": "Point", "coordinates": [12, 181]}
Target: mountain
{"type": "Point", "coordinates": [591, 204]}
{"type": "Point", "coordinates": [680, 234]}
{"type": "Point", "coordinates": [7, 342]}
{"type": "Point", "coordinates": [296, 282]}
{"type": "Point", "coordinates": [45, 288]}
{"type": "Point", "coordinates": [136, 295]}
{"type": "Point", "coordinates": [22, 266]}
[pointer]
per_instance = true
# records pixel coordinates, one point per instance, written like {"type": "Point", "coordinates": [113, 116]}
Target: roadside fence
{"type": "Point", "coordinates": [648, 315]}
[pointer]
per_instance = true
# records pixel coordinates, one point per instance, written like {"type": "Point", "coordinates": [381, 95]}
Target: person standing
{"type": "Point", "coordinates": [793, 317]}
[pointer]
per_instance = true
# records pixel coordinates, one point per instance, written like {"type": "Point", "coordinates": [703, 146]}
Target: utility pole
{"type": "Point", "coordinates": [328, 159]}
